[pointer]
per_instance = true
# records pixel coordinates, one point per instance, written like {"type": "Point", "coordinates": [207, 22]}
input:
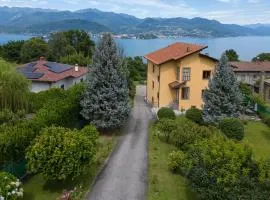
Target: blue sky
{"type": "Point", "coordinates": [226, 11]}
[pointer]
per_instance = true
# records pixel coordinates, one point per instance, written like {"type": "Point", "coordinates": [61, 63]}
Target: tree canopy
{"type": "Point", "coordinates": [33, 49]}
{"type": "Point", "coordinates": [14, 88]}
{"type": "Point", "coordinates": [106, 100]}
{"type": "Point", "coordinates": [232, 55]}
{"type": "Point", "coordinates": [262, 57]}
{"type": "Point", "coordinates": [222, 98]}
{"type": "Point", "coordinates": [12, 51]}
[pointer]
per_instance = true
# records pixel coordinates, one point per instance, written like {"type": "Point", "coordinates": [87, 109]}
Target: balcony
{"type": "Point", "coordinates": [177, 84]}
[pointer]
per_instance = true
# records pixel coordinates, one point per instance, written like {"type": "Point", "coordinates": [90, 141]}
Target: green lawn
{"type": "Point", "coordinates": [36, 188]}
{"type": "Point", "coordinates": [162, 184]}
{"type": "Point", "coordinates": [257, 136]}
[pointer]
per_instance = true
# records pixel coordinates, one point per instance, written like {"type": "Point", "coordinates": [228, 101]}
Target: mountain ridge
{"type": "Point", "coordinates": [31, 20]}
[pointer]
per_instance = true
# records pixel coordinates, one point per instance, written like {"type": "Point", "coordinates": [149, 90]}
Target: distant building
{"type": "Point", "coordinates": [45, 74]}
{"type": "Point", "coordinates": [178, 75]}
{"type": "Point", "coordinates": [256, 75]}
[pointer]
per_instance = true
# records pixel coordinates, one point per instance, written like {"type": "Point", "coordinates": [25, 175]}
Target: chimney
{"type": "Point", "coordinates": [76, 68]}
{"type": "Point", "coordinates": [188, 49]}
{"type": "Point", "coordinates": [42, 58]}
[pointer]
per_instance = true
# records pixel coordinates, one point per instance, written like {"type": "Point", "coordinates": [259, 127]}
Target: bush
{"type": "Point", "coordinates": [233, 128]}
{"type": "Point", "coordinates": [15, 139]}
{"type": "Point", "coordinates": [187, 132]}
{"type": "Point", "coordinates": [62, 106]}
{"type": "Point", "coordinates": [166, 113]}
{"type": "Point", "coordinates": [8, 117]}
{"type": "Point", "coordinates": [60, 153]}
{"type": "Point", "coordinates": [165, 128]}
{"type": "Point", "coordinates": [10, 187]}
{"type": "Point", "coordinates": [195, 115]}
{"type": "Point", "coordinates": [219, 168]}
{"type": "Point", "coordinates": [176, 161]}
{"type": "Point", "coordinates": [266, 120]}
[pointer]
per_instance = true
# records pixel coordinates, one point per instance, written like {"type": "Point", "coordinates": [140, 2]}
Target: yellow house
{"type": "Point", "coordinates": [177, 76]}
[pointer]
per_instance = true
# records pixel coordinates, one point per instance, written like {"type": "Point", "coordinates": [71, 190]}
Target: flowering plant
{"type": "Point", "coordinates": [10, 187]}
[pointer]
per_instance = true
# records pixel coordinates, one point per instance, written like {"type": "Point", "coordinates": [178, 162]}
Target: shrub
{"type": "Point", "coordinates": [15, 139]}
{"type": "Point", "coordinates": [187, 132]}
{"type": "Point", "coordinates": [60, 153]}
{"type": "Point", "coordinates": [165, 128]}
{"type": "Point", "coordinates": [8, 117]}
{"type": "Point", "coordinates": [176, 160]}
{"type": "Point", "coordinates": [219, 168]}
{"type": "Point", "coordinates": [62, 106]}
{"type": "Point", "coordinates": [266, 120]}
{"type": "Point", "coordinates": [166, 113]}
{"type": "Point", "coordinates": [195, 115]}
{"type": "Point", "coordinates": [233, 128]}
{"type": "Point", "coordinates": [10, 187]}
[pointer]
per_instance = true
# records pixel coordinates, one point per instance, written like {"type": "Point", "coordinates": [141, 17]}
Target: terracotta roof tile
{"type": "Point", "coordinates": [173, 52]}
{"type": "Point", "coordinates": [251, 66]}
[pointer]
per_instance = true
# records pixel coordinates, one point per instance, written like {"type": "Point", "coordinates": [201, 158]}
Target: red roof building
{"type": "Point", "coordinates": [175, 51]}
{"type": "Point", "coordinates": [45, 74]}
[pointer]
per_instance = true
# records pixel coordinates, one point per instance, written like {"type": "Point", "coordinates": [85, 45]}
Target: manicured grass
{"type": "Point", "coordinates": [257, 136]}
{"type": "Point", "coordinates": [36, 188]}
{"type": "Point", "coordinates": [162, 184]}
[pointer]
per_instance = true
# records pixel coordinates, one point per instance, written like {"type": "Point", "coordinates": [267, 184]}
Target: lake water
{"type": "Point", "coordinates": [246, 47]}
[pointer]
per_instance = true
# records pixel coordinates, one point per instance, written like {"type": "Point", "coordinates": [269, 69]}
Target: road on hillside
{"type": "Point", "coordinates": [125, 175]}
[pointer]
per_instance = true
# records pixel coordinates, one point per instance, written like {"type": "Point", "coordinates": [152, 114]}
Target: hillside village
{"type": "Point", "coordinates": [78, 120]}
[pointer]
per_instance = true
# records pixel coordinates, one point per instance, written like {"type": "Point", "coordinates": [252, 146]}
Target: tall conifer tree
{"type": "Point", "coordinates": [223, 97]}
{"type": "Point", "coordinates": [106, 100]}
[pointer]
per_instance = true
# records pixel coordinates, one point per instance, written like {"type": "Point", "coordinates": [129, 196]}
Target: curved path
{"type": "Point", "coordinates": [125, 175]}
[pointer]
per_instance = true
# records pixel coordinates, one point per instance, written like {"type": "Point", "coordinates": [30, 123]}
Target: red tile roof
{"type": "Point", "coordinates": [173, 52]}
{"type": "Point", "coordinates": [50, 76]}
{"type": "Point", "coordinates": [251, 66]}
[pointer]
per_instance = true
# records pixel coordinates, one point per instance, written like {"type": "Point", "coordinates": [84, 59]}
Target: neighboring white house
{"type": "Point", "coordinates": [45, 75]}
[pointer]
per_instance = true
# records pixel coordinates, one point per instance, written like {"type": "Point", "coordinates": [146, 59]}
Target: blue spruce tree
{"type": "Point", "coordinates": [106, 100]}
{"type": "Point", "coordinates": [223, 97]}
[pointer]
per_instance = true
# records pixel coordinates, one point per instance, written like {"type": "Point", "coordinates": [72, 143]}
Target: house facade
{"type": "Point", "coordinates": [255, 74]}
{"type": "Point", "coordinates": [178, 75]}
{"type": "Point", "coordinates": [45, 75]}
{"type": "Point", "coordinates": [252, 73]}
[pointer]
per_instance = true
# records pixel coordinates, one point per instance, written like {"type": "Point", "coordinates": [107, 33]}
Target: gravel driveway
{"type": "Point", "coordinates": [125, 175]}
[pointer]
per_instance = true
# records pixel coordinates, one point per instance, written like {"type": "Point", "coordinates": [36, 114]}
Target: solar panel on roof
{"type": "Point", "coordinates": [57, 67]}
{"type": "Point", "coordinates": [31, 75]}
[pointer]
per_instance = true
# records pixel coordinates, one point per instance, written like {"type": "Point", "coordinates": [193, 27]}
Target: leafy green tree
{"type": "Point", "coordinates": [59, 46]}
{"type": "Point", "coordinates": [262, 57]}
{"type": "Point", "coordinates": [14, 139]}
{"type": "Point", "coordinates": [137, 68]}
{"type": "Point", "coordinates": [222, 169]}
{"type": "Point", "coordinates": [222, 99]}
{"type": "Point", "coordinates": [80, 41]}
{"type": "Point", "coordinates": [14, 88]}
{"type": "Point", "coordinates": [76, 58]}
{"type": "Point", "coordinates": [232, 55]}
{"type": "Point", "coordinates": [12, 50]}
{"type": "Point", "coordinates": [106, 100]}
{"type": "Point", "coordinates": [60, 153]}
{"type": "Point", "coordinates": [33, 49]}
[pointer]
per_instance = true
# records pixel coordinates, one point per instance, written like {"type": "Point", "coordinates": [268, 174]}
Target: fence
{"type": "Point", "coordinates": [18, 168]}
